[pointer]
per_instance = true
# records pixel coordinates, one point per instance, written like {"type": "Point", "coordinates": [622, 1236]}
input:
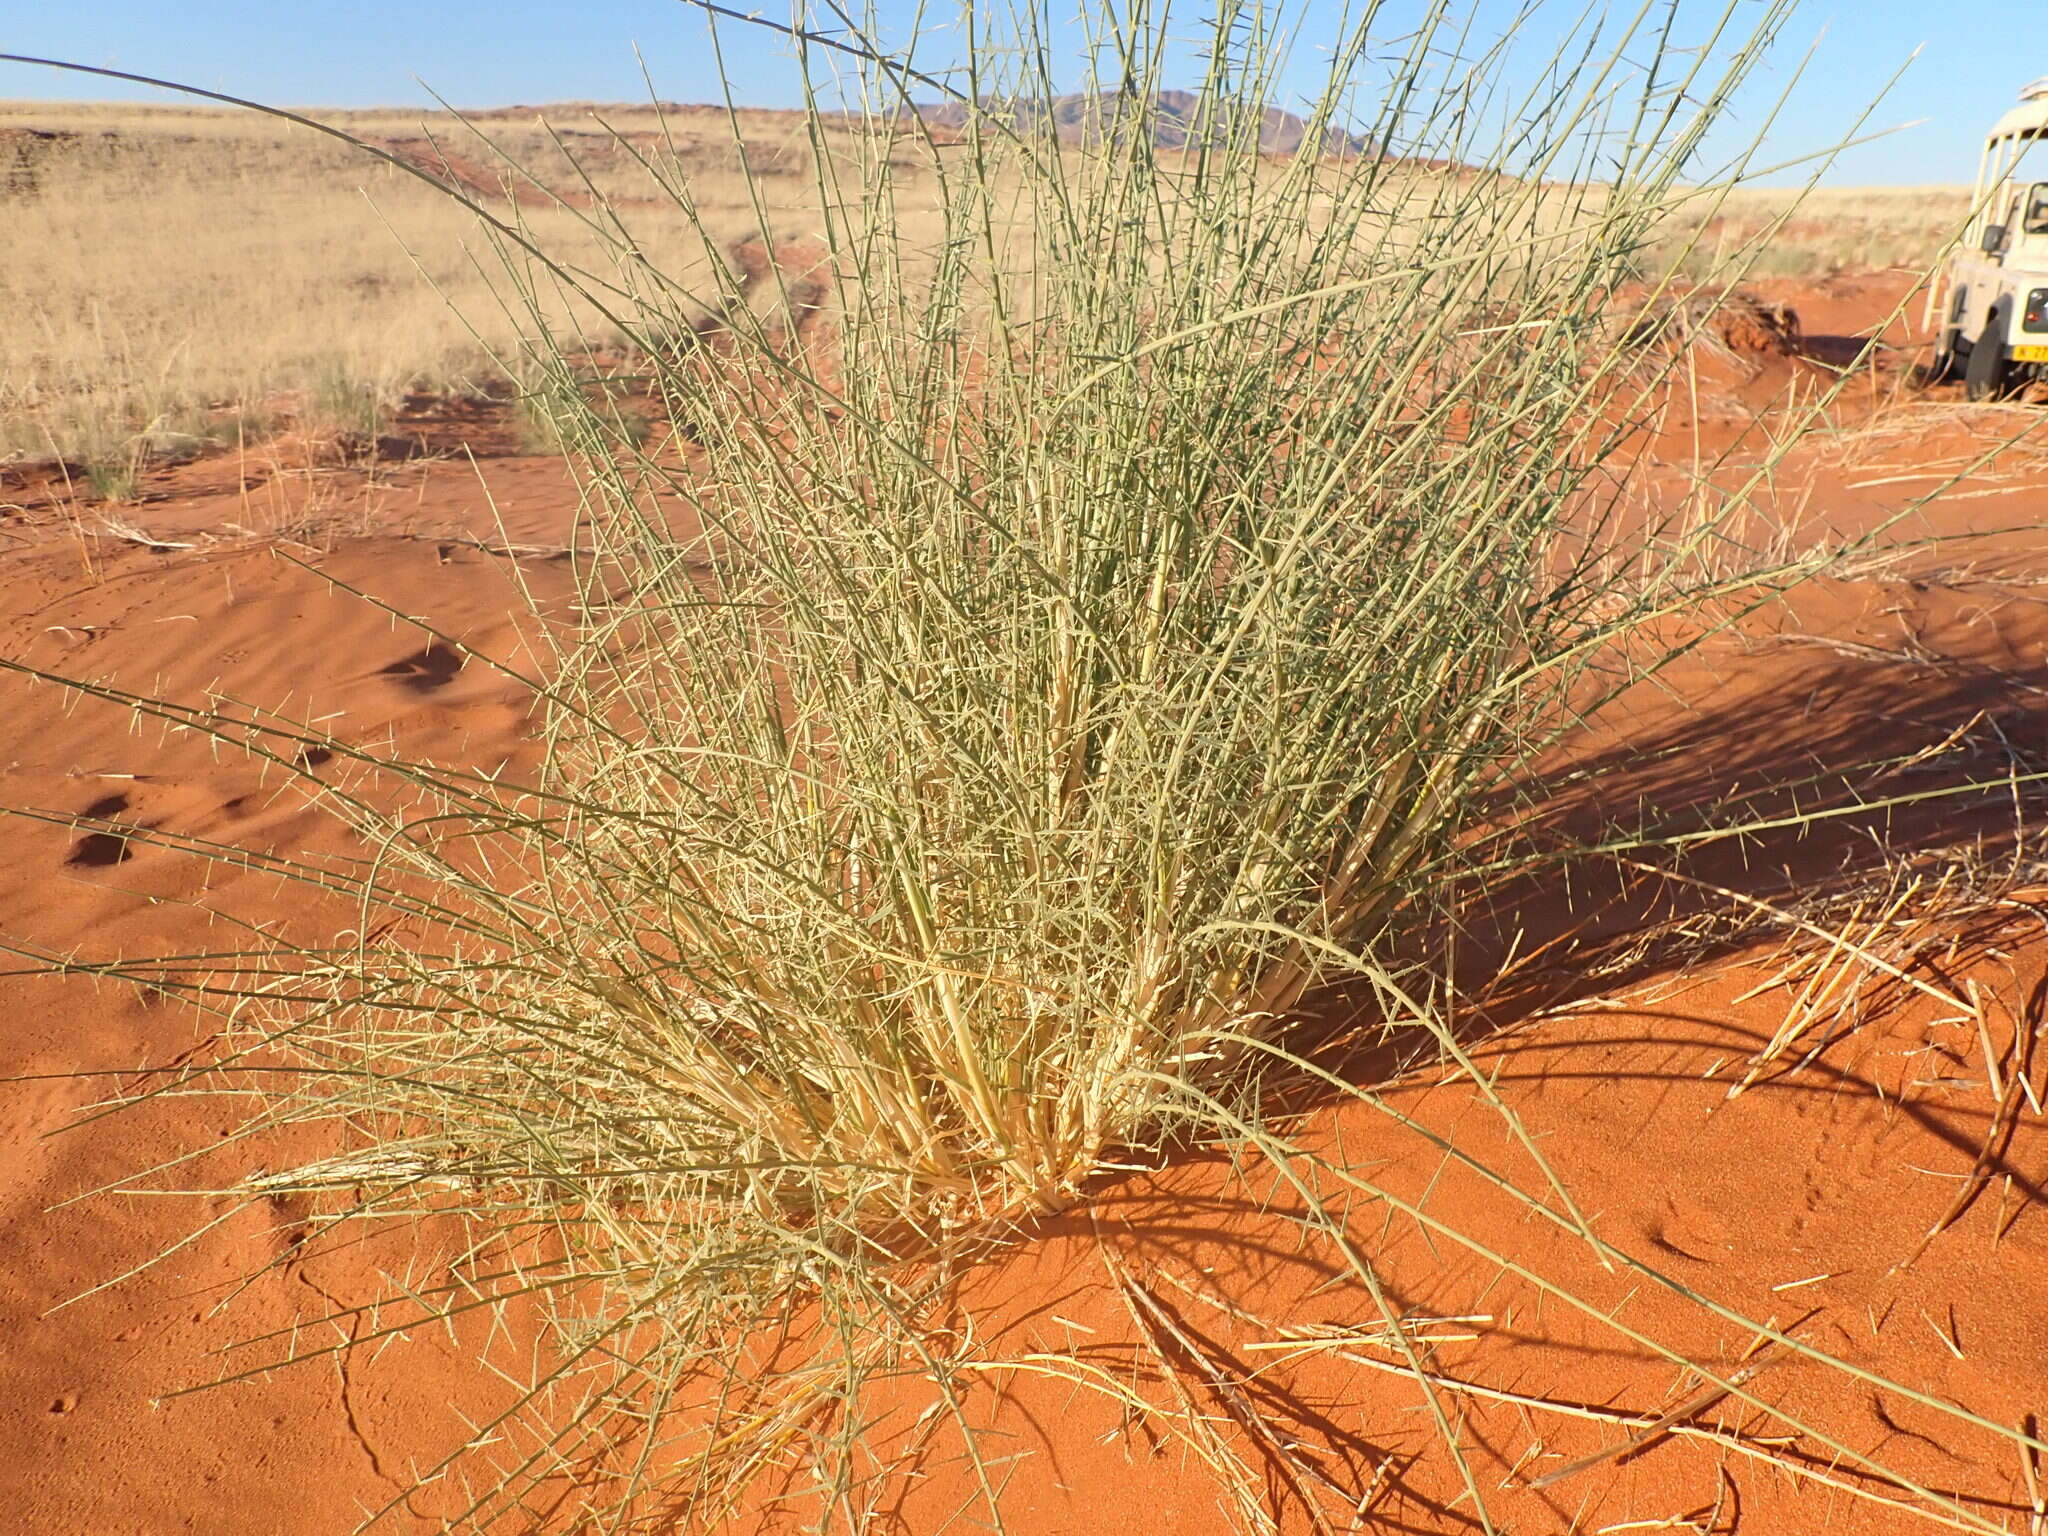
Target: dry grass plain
{"type": "Point", "coordinates": [172, 273]}
{"type": "Point", "coordinates": [1825, 231]}
{"type": "Point", "coordinates": [178, 275]}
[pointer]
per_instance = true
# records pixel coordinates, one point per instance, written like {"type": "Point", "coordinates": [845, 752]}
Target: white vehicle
{"type": "Point", "coordinates": [1991, 299]}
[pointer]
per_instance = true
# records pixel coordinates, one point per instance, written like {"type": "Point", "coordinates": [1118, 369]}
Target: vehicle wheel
{"type": "Point", "coordinates": [1942, 368]}
{"type": "Point", "coordinates": [1985, 374]}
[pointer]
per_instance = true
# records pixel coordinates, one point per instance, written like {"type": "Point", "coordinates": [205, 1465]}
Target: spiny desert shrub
{"type": "Point", "coordinates": [1101, 612]}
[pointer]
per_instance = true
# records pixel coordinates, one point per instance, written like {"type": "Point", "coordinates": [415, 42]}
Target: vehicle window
{"type": "Point", "coordinates": [2037, 210]}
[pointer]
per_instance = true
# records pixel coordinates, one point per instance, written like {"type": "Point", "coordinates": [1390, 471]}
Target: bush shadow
{"type": "Point", "coordinates": [1677, 846]}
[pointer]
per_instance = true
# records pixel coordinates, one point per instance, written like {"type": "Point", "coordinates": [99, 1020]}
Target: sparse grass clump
{"type": "Point", "coordinates": [1110, 592]}
{"type": "Point", "coordinates": [340, 402]}
{"type": "Point", "coordinates": [113, 478]}
{"type": "Point", "coordinates": [544, 397]}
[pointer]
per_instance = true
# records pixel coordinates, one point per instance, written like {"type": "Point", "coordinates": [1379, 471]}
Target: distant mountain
{"type": "Point", "coordinates": [1179, 121]}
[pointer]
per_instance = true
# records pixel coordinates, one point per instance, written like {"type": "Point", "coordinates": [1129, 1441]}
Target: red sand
{"type": "Point", "coordinates": [1793, 1202]}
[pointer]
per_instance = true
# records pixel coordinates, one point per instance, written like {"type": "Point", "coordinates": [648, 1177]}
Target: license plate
{"type": "Point", "coordinates": [2030, 354]}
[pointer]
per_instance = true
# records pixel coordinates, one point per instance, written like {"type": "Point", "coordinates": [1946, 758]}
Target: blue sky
{"type": "Point", "coordinates": [378, 52]}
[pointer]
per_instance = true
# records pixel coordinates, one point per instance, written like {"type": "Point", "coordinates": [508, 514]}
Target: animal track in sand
{"type": "Point", "coordinates": [101, 850]}
{"type": "Point", "coordinates": [427, 670]}
{"type": "Point", "coordinates": [1689, 1229]}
